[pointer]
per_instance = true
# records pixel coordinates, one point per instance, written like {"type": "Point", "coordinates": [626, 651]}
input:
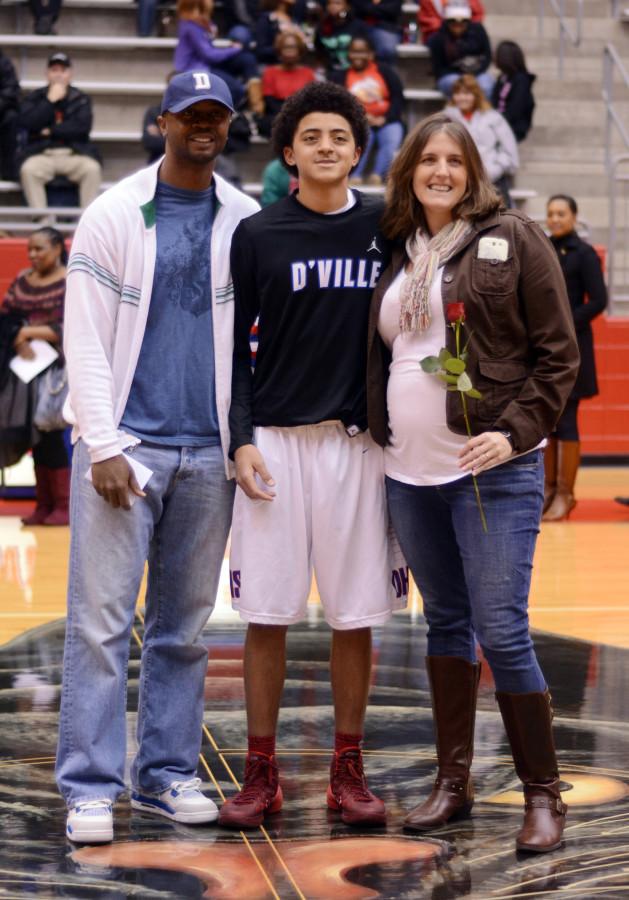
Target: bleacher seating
{"type": "Point", "coordinates": [124, 73]}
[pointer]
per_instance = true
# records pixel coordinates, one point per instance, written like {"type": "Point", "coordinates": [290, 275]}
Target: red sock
{"type": "Point", "coordinates": [264, 745]}
{"type": "Point", "coordinates": [345, 741]}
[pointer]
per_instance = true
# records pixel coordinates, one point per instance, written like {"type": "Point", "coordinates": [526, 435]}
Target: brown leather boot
{"type": "Point", "coordinates": [528, 722]}
{"type": "Point", "coordinates": [568, 457]}
{"type": "Point", "coordinates": [454, 688]}
{"type": "Point", "coordinates": [60, 489]}
{"type": "Point", "coordinates": [550, 472]}
{"type": "Point", "coordinates": [43, 497]}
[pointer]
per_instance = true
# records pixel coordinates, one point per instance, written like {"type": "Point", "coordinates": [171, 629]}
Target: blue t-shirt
{"type": "Point", "coordinates": [172, 399]}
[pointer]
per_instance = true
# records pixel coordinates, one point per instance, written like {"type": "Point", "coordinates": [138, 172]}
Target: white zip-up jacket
{"type": "Point", "coordinates": [109, 286]}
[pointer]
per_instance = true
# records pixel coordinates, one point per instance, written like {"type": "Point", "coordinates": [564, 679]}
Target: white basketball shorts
{"type": "Point", "coordinates": [330, 514]}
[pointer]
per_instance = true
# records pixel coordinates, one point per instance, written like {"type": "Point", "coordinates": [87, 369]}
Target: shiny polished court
{"type": "Point", "coordinates": [580, 614]}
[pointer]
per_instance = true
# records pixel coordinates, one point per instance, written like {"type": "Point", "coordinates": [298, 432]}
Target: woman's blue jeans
{"type": "Point", "coordinates": [476, 585]}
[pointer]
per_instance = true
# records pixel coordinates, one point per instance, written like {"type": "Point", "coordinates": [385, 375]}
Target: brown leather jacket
{"type": "Point", "coordinates": [523, 355]}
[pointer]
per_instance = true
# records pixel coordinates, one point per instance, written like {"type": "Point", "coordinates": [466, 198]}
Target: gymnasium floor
{"type": "Point", "coordinates": [580, 613]}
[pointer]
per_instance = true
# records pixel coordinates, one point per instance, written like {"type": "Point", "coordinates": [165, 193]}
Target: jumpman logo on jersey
{"type": "Point", "coordinates": [374, 246]}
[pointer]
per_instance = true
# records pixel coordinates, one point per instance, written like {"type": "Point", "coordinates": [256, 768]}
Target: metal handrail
{"type": "Point", "coordinates": [565, 31]}
{"type": "Point", "coordinates": [612, 62]}
{"type": "Point", "coordinates": [618, 298]}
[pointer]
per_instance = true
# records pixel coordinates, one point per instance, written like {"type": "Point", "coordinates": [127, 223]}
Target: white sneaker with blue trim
{"type": "Point", "coordinates": [182, 801]}
{"type": "Point", "coordinates": [91, 822]}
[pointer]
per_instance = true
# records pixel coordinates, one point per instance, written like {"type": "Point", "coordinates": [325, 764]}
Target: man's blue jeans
{"type": "Point", "coordinates": [387, 139]}
{"type": "Point", "coordinates": [181, 528]}
{"type": "Point", "coordinates": [472, 583]}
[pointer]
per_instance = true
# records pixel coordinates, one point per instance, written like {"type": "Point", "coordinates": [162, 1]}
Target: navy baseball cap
{"type": "Point", "coordinates": [191, 87]}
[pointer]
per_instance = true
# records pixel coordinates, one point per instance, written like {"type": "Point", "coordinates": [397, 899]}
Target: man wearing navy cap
{"type": "Point", "coordinates": [58, 120]}
{"type": "Point", "coordinates": [148, 341]}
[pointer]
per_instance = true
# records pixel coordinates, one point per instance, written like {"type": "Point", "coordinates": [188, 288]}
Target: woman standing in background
{"type": "Point", "coordinates": [588, 298]}
{"type": "Point", "coordinates": [37, 295]}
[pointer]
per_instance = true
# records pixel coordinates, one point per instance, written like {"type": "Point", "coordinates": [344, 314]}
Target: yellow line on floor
{"type": "Point", "coordinates": [242, 834]}
{"type": "Point", "coordinates": [227, 768]}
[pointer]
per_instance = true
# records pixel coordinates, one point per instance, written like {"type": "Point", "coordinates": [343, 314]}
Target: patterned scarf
{"type": "Point", "coordinates": [427, 255]}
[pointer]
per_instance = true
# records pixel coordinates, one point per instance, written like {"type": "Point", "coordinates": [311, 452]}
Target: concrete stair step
{"type": "Point", "coordinates": [151, 64]}
{"type": "Point", "coordinates": [513, 8]}
{"type": "Point", "coordinates": [71, 22]}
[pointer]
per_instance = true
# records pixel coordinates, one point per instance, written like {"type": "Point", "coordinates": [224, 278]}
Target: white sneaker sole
{"type": "Point", "coordinates": [92, 835]}
{"type": "Point", "coordinates": [186, 818]}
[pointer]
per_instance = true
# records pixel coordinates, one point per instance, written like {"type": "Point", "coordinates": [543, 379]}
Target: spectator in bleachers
{"type": "Point", "coordinates": [147, 10]}
{"type": "Point", "coordinates": [460, 47]}
{"type": "Point", "coordinates": [279, 82]}
{"type": "Point", "coordinates": [57, 120]}
{"type": "Point", "coordinates": [240, 14]}
{"type": "Point", "coordinates": [587, 293]}
{"type": "Point", "coordinates": [492, 135]}
{"type": "Point", "coordinates": [45, 14]}
{"type": "Point", "coordinates": [334, 35]}
{"type": "Point", "coordinates": [430, 15]}
{"type": "Point", "coordinates": [379, 89]}
{"type": "Point", "coordinates": [277, 182]}
{"type": "Point", "coordinates": [512, 95]}
{"type": "Point", "coordinates": [277, 17]}
{"type": "Point", "coordinates": [382, 18]}
{"type": "Point", "coordinates": [196, 51]}
{"type": "Point", "coordinates": [152, 138]}
{"type": "Point", "coordinates": [37, 295]}
{"type": "Point", "coordinates": [9, 104]}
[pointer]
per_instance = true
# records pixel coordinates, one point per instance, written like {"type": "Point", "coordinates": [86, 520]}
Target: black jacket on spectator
{"type": "Point", "coordinates": [152, 143]}
{"type": "Point", "coordinates": [518, 104]}
{"type": "Point", "coordinates": [239, 12]}
{"type": "Point", "coordinates": [69, 120]}
{"type": "Point", "coordinates": [394, 84]}
{"type": "Point", "coordinates": [9, 103]}
{"type": "Point", "coordinates": [16, 399]}
{"type": "Point", "coordinates": [332, 40]}
{"type": "Point", "coordinates": [588, 298]}
{"type": "Point", "coordinates": [385, 14]}
{"type": "Point", "coordinates": [453, 57]}
{"type": "Point", "coordinates": [9, 86]}
{"type": "Point", "coordinates": [266, 30]}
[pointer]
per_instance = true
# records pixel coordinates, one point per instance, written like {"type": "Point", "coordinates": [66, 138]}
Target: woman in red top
{"type": "Point", "coordinates": [279, 82]}
{"type": "Point", "coordinates": [37, 295]}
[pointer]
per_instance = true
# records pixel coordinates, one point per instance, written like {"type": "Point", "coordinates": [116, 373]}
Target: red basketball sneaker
{"type": "Point", "coordinates": [261, 794]}
{"type": "Point", "coordinates": [348, 790]}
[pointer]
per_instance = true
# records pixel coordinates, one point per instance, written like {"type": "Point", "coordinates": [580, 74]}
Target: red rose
{"type": "Point", "coordinates": [455, 312]}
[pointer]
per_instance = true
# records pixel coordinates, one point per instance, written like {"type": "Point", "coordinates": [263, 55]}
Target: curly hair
{"type": "Point", "coordinates": [318, 97]}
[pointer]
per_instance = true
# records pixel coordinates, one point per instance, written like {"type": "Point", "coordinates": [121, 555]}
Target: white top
{"type": "Point", "coordinates": [423, 450]}
{"type": "Point", "coordinates": [494, 138]}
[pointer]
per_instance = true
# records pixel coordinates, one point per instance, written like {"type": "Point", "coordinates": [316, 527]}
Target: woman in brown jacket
{"type": "Point", "coordinates": [475, 294]}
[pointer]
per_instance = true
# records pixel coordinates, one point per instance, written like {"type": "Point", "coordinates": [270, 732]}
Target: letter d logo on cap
{"type": "Point", "coordinates": [201, 80]}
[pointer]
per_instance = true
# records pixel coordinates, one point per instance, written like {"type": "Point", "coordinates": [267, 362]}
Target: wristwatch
{"type": "Point", "coordinates": [508, 436]}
